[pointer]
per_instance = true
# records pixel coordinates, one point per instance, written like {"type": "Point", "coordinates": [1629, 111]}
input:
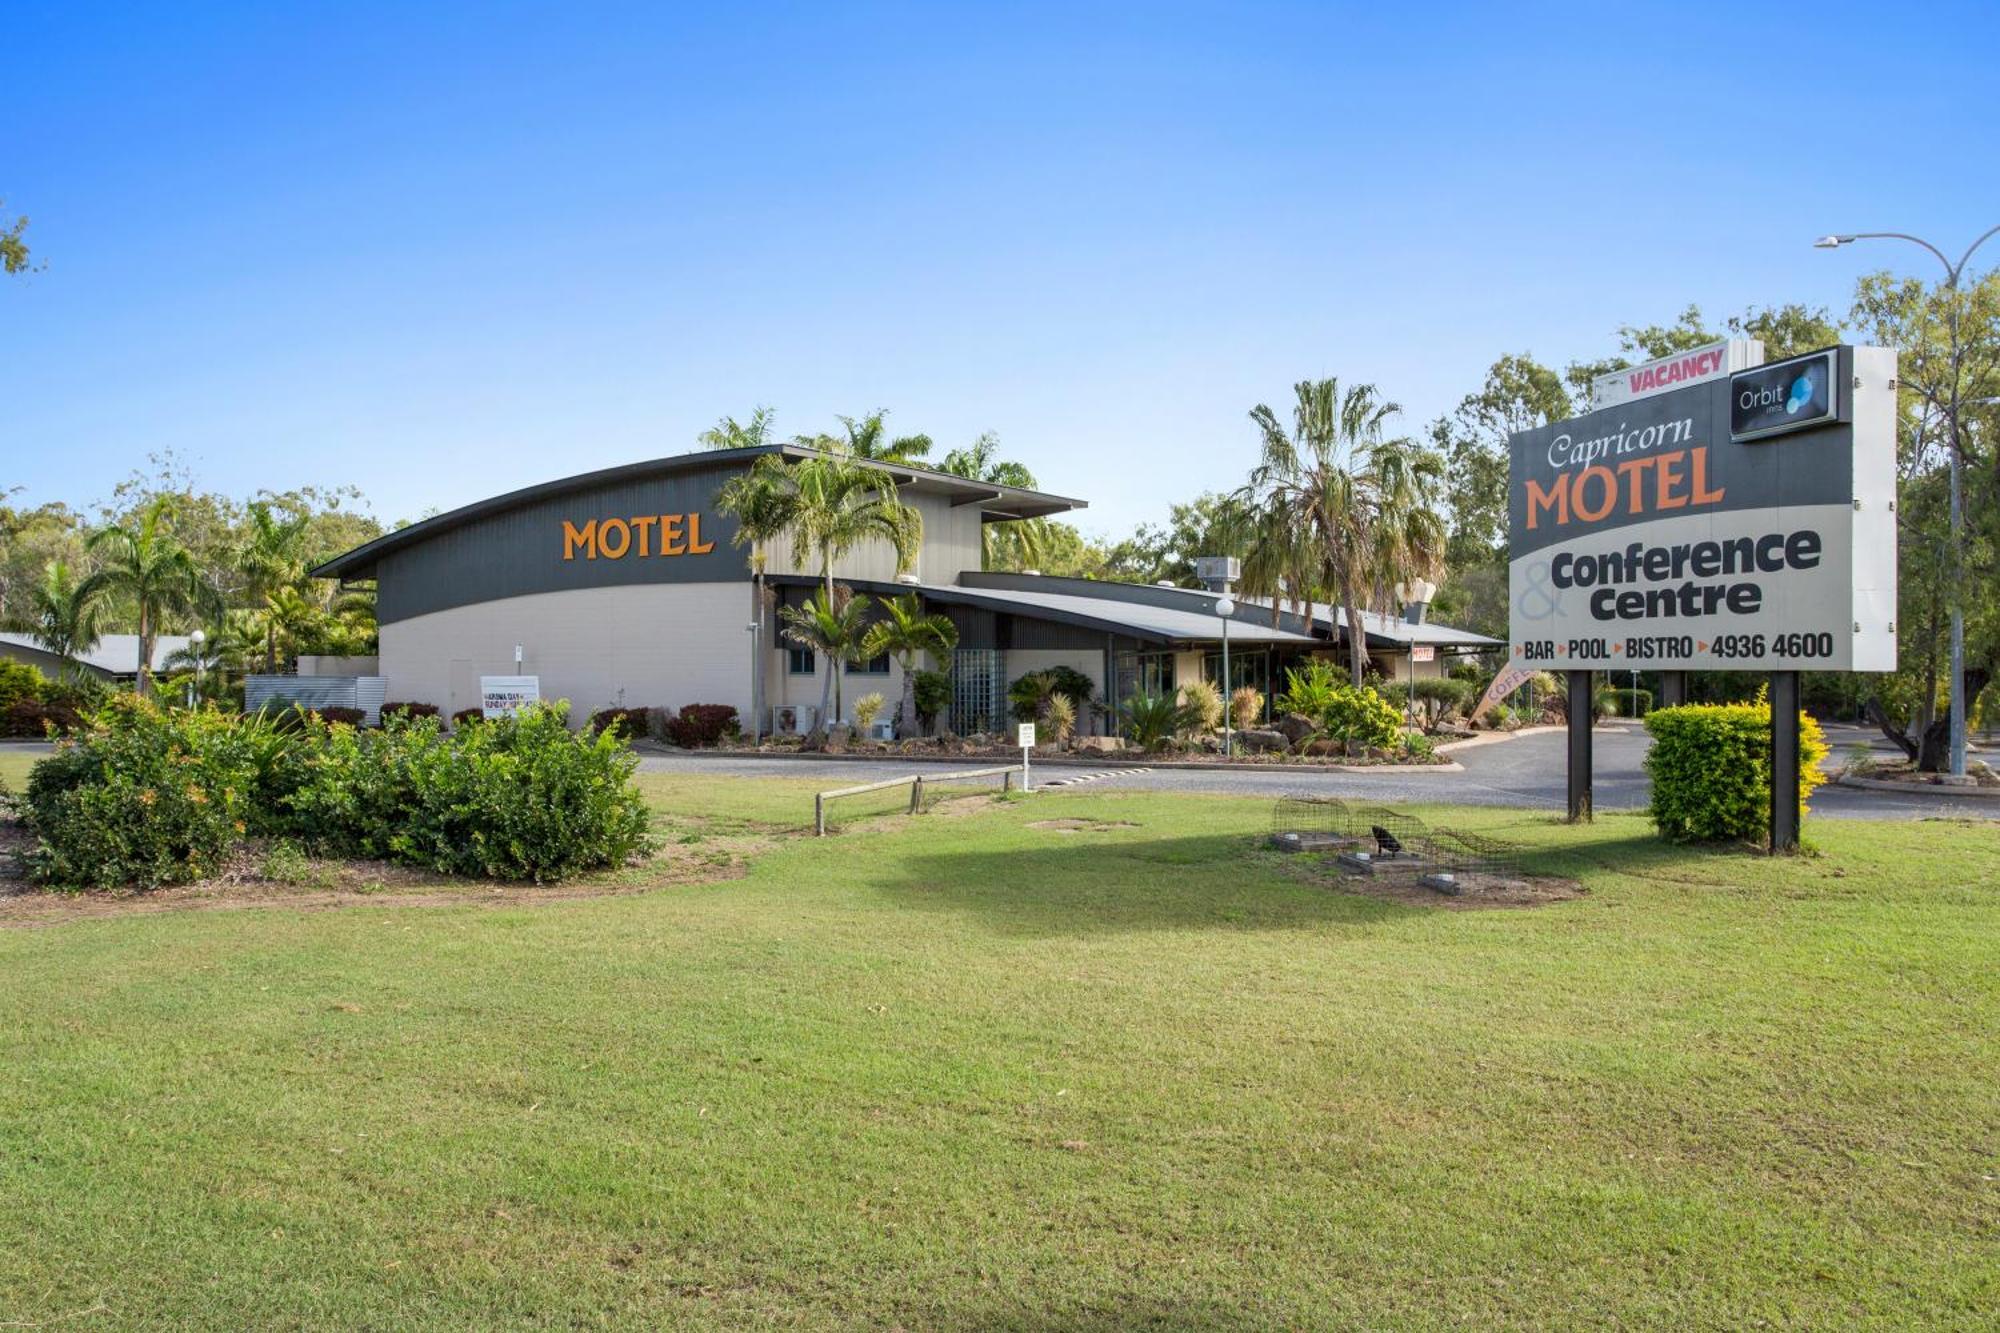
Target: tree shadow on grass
{"type": "Point", "coordinates": [1093, 883]}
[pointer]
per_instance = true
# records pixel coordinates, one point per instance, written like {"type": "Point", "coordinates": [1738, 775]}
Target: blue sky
{"type": "Point", "coordinates": [440, 251]}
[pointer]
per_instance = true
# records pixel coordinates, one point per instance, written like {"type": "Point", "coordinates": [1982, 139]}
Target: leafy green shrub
{"type": "Point", "coordinates": [407, 710]}
{"type": "Point", "coordinates": [699, 726]}
{"type": "Point", "coordinates": [933, 689]}
{"type": "Point", "coordinates": [1310, 690]}
{"type": "Point", "coordinates": [1711, 770]}
{"type": "Point", "coordinates": [514, 798]}
{"type": "Point", "coordinates": [141, 796]}
{"type": "Point", "coordinates": [1349, 715]}
{"type": "Point", "coordinates": [1417, 748]}
{"type": "Point", "coordinates": [1151, 720]}
{"type": "Point", "coordinates": [1361, 717]}
{"type": "Point", "coordinates": [1201, 702]}
{"type": "Point", "coordinates": [1443, 697]}
{"type": "Point", "coordinates": [467, 715]}
{"type": "Point", "coordinates": [20, 683]}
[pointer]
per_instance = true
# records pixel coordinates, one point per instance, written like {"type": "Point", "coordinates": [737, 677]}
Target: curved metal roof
{"type": "Point", "coordinates": [996, 503]}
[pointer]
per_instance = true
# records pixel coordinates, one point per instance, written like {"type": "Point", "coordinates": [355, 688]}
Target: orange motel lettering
{"type": "Point", "coordinates": [1666, 481]}
{"type": "Point", "coordinates": [641, 535]}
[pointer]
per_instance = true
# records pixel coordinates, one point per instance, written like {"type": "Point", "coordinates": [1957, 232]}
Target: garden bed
{"type": "Point", "coordinates": [933, 749]}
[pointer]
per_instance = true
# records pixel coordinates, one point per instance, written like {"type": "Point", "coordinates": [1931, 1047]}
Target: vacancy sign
{"type": "Point", "coordinates": [1675, 372]}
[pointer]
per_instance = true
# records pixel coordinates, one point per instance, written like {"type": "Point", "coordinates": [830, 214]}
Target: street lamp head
{"type": "Point", "coordinates": [197, 638]}
{"type": "Point", "coordinates": [1225, 607]}
{"type": "Point", "coordinates": [1832, 242]}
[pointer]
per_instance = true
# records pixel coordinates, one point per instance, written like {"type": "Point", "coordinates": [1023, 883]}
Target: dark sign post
{"type": "Point", "coordinates": [1579, 746]}
{"type": "Point", "coordinates": [1742, 522]}
{"type": "Point", "coordinates": [1784, 761]}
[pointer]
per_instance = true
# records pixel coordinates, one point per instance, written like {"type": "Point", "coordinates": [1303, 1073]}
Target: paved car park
{"type": "Point", "coordinates": [1521, 771]}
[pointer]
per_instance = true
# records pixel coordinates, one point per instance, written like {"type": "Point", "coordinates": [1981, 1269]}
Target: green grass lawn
{"type": "Point", "coordinates": [958, 1070]}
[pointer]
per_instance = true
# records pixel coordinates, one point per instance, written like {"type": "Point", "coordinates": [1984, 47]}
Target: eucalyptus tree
{"type": "Point", "coordinates": [907, 632]}
{"type": "Point", "coordinates": [67, 620]}
{"type": "Point", "coordinates": [1332, 502]}
{"type": "Point", "coordinates": [141, 559]}
{"type": "Point", "coordinates": [833, 623]}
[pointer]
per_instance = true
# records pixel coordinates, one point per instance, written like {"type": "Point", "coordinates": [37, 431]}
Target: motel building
{"type": "Point", "coordinates": [626, 588]}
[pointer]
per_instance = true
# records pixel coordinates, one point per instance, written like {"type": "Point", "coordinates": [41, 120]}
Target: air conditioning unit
{"type": "Point", "coordinates": [793, 719]}
{"type": "Point", "coordinates": [881, 729]}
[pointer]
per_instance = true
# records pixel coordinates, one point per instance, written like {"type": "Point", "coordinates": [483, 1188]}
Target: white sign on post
{"type": "Point", "coordinates": [1026, 735]}
{"type": "Point", "coordinates": [503, 696]}
{"type": "Point", "coordinates": [1423, 652]}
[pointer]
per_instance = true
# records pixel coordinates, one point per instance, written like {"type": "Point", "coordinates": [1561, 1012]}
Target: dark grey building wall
{"type": "Point", "coordinates": [521, 551]}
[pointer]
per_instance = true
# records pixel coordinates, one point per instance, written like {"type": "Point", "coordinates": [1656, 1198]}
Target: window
{"type": "Point", "coordinates": [874, 666]}
{"type": "Point", "coordinates": [799, 661]}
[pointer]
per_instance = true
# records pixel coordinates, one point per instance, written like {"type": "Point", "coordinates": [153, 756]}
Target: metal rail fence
{"type": "Point", "coordinates": [916, 783]}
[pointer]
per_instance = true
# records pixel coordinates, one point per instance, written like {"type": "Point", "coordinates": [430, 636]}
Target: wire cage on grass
{"type": "Point", "coordinates": [1460, 853]}
{"type": "Point", "coordinates": [1389, 833]}
{"type": "Point", "coordinates": [1301, 822]}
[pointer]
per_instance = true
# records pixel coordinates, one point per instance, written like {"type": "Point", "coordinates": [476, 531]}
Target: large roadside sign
{"type": "Point", "coordinates": [1740, 523]}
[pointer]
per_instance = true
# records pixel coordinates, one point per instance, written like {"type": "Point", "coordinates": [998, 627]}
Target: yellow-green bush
{"type": "Point", "coordinates": [1711, 770]}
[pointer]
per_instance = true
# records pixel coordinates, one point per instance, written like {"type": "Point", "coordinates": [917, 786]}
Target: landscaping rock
{"type": "Point", "coordinates": [1321, 748]}
{"type": "Point", "coordinates": [837, 737]}
{"type": "Point", "coordinates": [1260, 741]}
{"type": "Point", "coordinates": [1294, 727]}
{"type": "Point", "coordinates": [1101, 744]}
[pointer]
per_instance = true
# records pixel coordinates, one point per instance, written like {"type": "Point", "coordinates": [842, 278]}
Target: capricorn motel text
{"type": "Point", "coordinates": [1664, 481]}
{"type": "Point", "coordinates": [641, 535]}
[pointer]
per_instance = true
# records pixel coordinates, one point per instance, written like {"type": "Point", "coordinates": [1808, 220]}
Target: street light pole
{"type": "Point", "coordinates": [1953, 272]}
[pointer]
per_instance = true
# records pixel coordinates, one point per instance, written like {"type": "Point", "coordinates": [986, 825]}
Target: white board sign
{"type": "Point", "coordinates": [1026, 735]}
{"type": "Point", "coordinates": [503, 696]}
{"type": "Point", "coordinates": [1423, 652]}
{"type": "Point", "coordinates": [1697, 530]}
{"type": "Point", "coordinates": [1668, 373]}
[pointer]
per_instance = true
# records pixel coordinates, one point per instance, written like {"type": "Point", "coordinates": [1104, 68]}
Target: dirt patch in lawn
{"type": "Point", "coordinates": [254, 878]}
{"type": "Point", "coordinates": [1081, 825]}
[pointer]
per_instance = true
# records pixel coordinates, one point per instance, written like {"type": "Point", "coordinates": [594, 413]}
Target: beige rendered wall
{"type": "Point", "coordinates": [665, 644]}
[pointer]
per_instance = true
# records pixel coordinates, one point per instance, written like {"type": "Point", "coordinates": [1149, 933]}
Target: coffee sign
{"type": "Point", "coordinates": [1743, 523]}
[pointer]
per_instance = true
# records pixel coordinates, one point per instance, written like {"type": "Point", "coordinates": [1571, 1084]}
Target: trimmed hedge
{"type": "Point", "coordinates": [1628, 702]}
{"type": "Point", "coordinates": [1711, 771]}
{"type": "Point", "coordinates": [408, 711]}
{"type": "Point", "coordinates": [699, 726]}
{"type": "Point", "coordinates": [347, 717]}
{"type": "Point", "coordinates": [21, 683]}
{"type": "Point", "coordinates": [465, 715]}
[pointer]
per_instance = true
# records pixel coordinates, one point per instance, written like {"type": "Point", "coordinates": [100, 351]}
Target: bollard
{"type": "Point", "coordinates": [917, 795]}
{"type": "Point", "coordinates": [819, 815]}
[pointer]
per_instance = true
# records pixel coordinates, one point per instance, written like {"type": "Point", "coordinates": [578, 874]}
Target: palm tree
{"type": "Point", "coordinates": [908, 632]}
{"type": "Point", "coordinates": [1021, 544]}
{"type": "Point", "coordinates": [1335, 503]}
{"type": "Point", "coordinates": [761, 502]}
{"type": "Point", "coordinates": [833, 623]}
{"type": "Point", "coordinates": [143, 560]}
{"type": "Point", "coordinates": [66, 621]}
{"type": "Point", "coordinates": [868, 437]}
{"type": "Point", "coordinates": [272, 557]}
{"type": "Point", "coordinates": [729, 433]}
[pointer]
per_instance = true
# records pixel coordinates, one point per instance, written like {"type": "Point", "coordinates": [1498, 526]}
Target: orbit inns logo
{"type": "Point", "coordinates": [1790, 395]}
